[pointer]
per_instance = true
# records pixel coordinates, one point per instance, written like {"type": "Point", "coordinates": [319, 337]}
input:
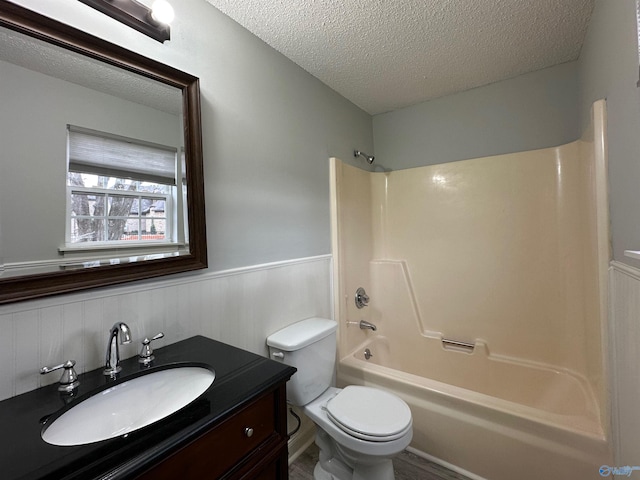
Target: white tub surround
{"type": "Point", "coordinates": [487, 281]}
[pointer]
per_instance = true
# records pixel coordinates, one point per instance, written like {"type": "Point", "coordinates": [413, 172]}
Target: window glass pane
{"type": "Point", "coordinates": [114, 183]}
{"type": "Point", "coordinates": [132, 229]}
{"type": "Point", "coordinates": [135, 207]}
{"type": "Point", "coordinates": [154, 188]}
{"type": "Point", "coordinates": [116, 228]}
{"type": "Point", "coordinates": [120, 206]}
{"type": "Point", "coordinates": [153, 227]}
{"type": "Point", "coordinates": [87, 204]}
{"type": "Point", "coordinates": [86, 229]}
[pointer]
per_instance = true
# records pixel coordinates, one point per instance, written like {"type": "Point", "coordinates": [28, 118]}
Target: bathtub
{"type": "Point", "coordinates": [486, 416]}
{"type": "Point", "coordinates": [508, 256]}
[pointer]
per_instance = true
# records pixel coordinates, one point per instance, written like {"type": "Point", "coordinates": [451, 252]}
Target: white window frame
{"type": "Point", "coordinates": [107, 192]}
{"type": "Point", "coordinates": [174, 209]}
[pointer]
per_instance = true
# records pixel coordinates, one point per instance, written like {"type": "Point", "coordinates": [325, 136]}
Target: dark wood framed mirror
{"type": "Point", "coordinates": [23, 278]}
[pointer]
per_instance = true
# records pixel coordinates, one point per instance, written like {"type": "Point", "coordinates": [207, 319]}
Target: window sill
{"type": "Point", "coordinates": [93, 255]}
{"type": "Point", "coordinates": [81, 258]}
{"type": "Point", "coordinates": [72, 249]}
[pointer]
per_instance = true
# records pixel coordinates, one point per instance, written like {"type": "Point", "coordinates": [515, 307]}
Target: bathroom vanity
{"type": "Point", "coordinates": [235, 430]}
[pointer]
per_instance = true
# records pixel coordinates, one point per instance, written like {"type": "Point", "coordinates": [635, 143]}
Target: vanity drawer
{"type": "Point", "coordinates": [225, 446]}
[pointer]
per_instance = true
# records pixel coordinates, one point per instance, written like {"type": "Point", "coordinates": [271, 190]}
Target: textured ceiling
{"type": "Point", "coordinates": [388, 54]}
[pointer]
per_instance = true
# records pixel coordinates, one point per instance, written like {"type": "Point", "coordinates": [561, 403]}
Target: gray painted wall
{"type": "Point", "coordinates": [608, 68]}
{"type": "Point", "coordinates": [531, 111]}
{"type": "Point", "coordinates": [269, 128]}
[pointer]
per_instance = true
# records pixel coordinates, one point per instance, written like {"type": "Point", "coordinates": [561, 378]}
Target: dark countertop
{"type": "Point", "coordinates": [240, 377]}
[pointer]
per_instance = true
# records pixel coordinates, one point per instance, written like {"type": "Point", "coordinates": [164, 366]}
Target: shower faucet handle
{"type": "Point", "coordinates": [362, 299]}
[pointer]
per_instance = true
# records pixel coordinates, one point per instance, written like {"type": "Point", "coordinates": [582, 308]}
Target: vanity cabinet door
{"type": "Point", "coordinates": [249, 445]}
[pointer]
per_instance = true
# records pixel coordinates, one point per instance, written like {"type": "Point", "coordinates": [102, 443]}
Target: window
{"type": "Point", "coordinates": [121, 192]}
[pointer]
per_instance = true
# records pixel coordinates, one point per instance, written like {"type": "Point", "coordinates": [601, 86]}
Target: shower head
{"type": "Point", "coordinates": [368, 158]}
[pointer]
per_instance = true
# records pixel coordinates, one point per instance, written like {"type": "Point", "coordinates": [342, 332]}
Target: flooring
{"type": "Point", "coordinates": [407, 466]}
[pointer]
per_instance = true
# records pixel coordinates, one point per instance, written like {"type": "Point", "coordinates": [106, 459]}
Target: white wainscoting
{"type": "Point", "coordinates": [624, 344]}
{"type": "Point", "coordinates": [240, 307]}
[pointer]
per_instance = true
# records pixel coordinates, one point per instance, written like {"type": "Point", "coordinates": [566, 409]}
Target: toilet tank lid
{"type": "Point", "coordinates": [301, 334]}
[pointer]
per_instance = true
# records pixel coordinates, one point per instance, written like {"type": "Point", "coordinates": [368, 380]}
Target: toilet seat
{"type": "Point", "coordinates": [369, 414]}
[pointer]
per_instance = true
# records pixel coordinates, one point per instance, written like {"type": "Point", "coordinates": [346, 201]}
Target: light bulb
{"type": "Point", "coordinates": [162, 12]}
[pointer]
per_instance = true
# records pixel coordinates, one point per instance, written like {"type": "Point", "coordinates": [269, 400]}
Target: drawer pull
{"type": "Point", "coordinates": [248, 432]}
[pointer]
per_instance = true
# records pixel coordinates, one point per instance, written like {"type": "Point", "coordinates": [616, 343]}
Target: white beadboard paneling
{"type": "Point", "coordinates": [240, 307]}
{"type": "Point", "coordinates": [73, 333]}
{"type": "Point", "coordinates": [7, 355]}
{"type": "Point", "coordinates": [50, 336]}
{"type": "Point", "coordinates": [199, 302]}
{"type": "Point", "coordinates": [133, 311]}
{"type": "Point", "coordinates": [179, 326]}
{"type": "Point", "coordinates": [625, 361]}
{"type": "Point", "coordinates": [171, 312]}
{"type": "Point", "coordinates": [156, 314]}
{"type": "Point", "coordinates": [27, 356]}
{"type": "Point", "coordinates": [212, 326]}
{"type": "Point", "coordinates": [229, 313]}
{"type": "Point", "coordinates": [95, 334]}
{"type": "Point", "coordinates": [258, 303]}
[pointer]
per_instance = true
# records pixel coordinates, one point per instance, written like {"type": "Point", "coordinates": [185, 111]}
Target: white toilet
{"type": "Point", "coordinates": [359, 429]}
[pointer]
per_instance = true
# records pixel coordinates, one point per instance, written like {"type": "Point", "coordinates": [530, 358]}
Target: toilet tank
{"type": "Point", "coordinates": [309, 346]}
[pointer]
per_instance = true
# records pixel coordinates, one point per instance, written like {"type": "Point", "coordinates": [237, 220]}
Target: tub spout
{"type": "Point", "coordinates": [364, 325]}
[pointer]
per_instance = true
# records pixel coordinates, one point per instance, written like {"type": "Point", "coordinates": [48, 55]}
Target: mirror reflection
{"type": "Point", "coordinates": [93, 155]}
{"type": "Point", "coordinates": [95, 164]}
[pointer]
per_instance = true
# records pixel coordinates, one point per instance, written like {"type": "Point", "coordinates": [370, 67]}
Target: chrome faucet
{"type": "Point", "coordinates": [364, 325]}
{"type": "Point", "coordinates": [69, 380]}
{"type": "Point", "coordinates": [112, 366]}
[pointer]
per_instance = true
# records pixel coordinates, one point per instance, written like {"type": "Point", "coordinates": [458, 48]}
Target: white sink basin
{"type": "Point", "coordinates": [129, 405]}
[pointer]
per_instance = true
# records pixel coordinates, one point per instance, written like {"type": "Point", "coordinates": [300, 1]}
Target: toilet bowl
{"type": "Point", "coordinates": [351, 436]}
{"type": "Point", "coordinates": [358, 429]}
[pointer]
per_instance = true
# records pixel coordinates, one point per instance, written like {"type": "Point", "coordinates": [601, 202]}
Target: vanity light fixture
{"type": "Point", "coordinates": [153, 21]}
{"type": "Point", "coordinates": [162, 12]}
